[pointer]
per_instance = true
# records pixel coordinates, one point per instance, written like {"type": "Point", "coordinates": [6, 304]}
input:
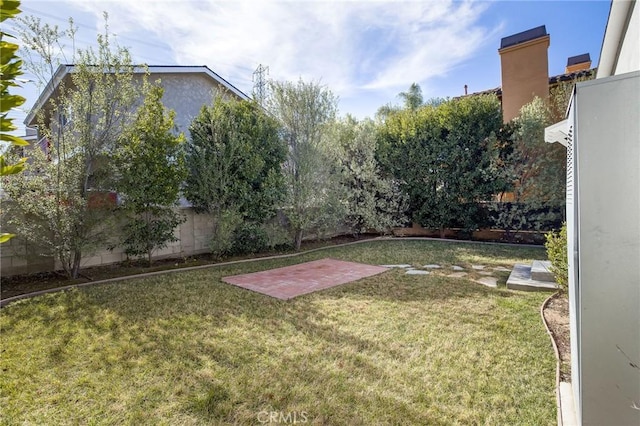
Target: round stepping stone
{"type": "Point", "coordinates": [478, 267]}
{"type": "Point", "coordinates": [417, 272]}
{"type": "Point", "coordinates": [488, 281]}
{"type": "Point", "coordinates": [432, 266]}
{"type": "Point", "coordinates": [403, 265]}
{"type": "Point", "coordinates": [457, 268]}
{"type": "Point", "coordinates": [458, 275]}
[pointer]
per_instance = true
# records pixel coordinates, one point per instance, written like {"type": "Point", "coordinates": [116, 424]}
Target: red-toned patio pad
{"type": "Point", "coordinates": [291, 281]}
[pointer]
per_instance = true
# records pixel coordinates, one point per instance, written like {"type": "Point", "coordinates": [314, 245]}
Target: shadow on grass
{"type": "Point", "coordinates": [230, 353]}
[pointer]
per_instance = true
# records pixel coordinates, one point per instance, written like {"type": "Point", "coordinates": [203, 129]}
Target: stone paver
{"type": "Point", "coordinates": [501, 269]}
{"type": "Point", "coordinates": [292, 281]}
{"type": "Point", "coordinates": [488, 281]}
{"type": "Point", "coordinates": [417, 272]}
{"type": "Point", "coordinates": [520, 279]}
{"type": "Point", "coordinates": [458, 275]}
{"type": "Point", "coordinates": [485, 272]}
{"type": "Point", "coordinates": [402, 265]}
{"type": "Point", "coordinates": [541, 271]}
{"type": "Point", "coordinates": [432, 266]}
{"type": "Point", "coordinates": [457, 268]}
{"type": "Point", "coordinates": [478, 267]}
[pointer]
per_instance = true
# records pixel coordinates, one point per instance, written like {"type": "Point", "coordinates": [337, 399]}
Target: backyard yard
{"type": "Point", "coordinates": [187, 348]}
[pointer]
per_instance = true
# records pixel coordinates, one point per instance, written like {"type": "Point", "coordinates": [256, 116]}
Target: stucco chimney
{"type": "Point", "coordinates": [525, 69]}
{"type": "Point", "coordinates": [578, 63]}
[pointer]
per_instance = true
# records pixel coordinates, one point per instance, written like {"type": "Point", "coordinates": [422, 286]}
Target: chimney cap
{"type": "Point", "coordinates": [524, 36]}
{"type": "Point", "coordinates": [578, 59]}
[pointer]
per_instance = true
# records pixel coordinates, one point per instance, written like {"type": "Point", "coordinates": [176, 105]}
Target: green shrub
{"type": "Point", "coordinates": [222, 240]}
{"type": "Point", "coordinates": [249, 238]}
{"type": "Point", "coordinates": [556, 245]}
{"type": "Point", "coordinates": [278, 236]}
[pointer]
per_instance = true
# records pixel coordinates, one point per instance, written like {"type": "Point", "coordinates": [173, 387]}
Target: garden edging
{"type": "Point", "coordinates": [561, 420]}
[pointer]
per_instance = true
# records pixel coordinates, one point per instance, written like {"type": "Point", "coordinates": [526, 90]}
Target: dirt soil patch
{"type": "Point", "coordinates": [556, 314]}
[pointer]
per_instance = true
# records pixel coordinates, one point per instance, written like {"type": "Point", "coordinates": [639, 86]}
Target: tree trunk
{"type": "Point", "coordinates": [298, 239]}
{"type": "Point", "coordinates": [442, 232]}
{"type": "Point", "coordinates": [75, 268]}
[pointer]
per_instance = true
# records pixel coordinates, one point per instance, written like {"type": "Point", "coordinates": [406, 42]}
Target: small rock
{"type": "Point", "coordinates": [488, 281]}
{"type": "Point", "coordinates": [417, 272]}
{"type": "Point", "coordinates": [457, 268]}
{"type": "Point", "coordinates": [403, 265]}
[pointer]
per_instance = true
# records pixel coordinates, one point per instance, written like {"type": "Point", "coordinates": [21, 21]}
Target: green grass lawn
{"type": "Point", "coordinates": [185, 348]}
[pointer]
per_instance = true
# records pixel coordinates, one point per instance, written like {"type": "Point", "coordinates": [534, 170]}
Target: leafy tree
{"type": "Point", "coordinates": [305, 110]}
{"type": "Point", "coordinates": [560, 95]}
{"type": "Point", "coordinates": [44, 47]}
{"type": "Point", "coordinates": [152, 169]}
{"type": "Point", "coordinates": [373, 202]}
{"type": "Point", "coordinates": [448, 158]}
{"type": "Point", "coordinates": [10, 69]}
{"type": "Point", "coordinates": [233, 161]}
{"type": "Point", "coordinates": [412, 98]}
{"type": "Point", "coordinates": [538, 169]}
{"type": "Point", "coordinates": [82, 124]}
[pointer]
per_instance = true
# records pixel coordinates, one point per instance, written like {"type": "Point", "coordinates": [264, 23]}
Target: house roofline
{"type": "Point", "coordinates": [51, 86]}
{"type": "Point", "coordinates": [65, 69]}
{"type": "Point", "coordinates": [617, 25]}
{"type": "Point", "coordinates": [553, 80]}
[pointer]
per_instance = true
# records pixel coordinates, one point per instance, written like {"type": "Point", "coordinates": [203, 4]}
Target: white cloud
{"type": "Point", "coordinates": [351, 46]}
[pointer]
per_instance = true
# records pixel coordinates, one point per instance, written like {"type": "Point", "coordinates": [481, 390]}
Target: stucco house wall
{"type": "Point", "coordinates": [186, 93]}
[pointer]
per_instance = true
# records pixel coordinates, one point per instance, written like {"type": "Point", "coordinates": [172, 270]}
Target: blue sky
{"type": "Point", "coordinates": [365, 52]}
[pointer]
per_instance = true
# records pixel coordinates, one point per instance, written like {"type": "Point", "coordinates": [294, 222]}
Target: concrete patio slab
{"type": "Point", "coordinates": [304, 278]}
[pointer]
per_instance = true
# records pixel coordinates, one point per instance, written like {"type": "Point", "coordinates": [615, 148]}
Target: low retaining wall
{"type": "Point", "coordinates": [17, 257]}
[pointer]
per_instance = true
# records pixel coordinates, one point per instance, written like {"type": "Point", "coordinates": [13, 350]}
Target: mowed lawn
{"type": "Point", "coordinates": [186, 348]}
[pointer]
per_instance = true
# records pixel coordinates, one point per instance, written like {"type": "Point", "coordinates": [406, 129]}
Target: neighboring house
{"type": "Point", "coordinates": [602, 136]}
{"type": "Point", "coordinates": [186, 90]}
{"type": "Point", "coordinates": [524, 68]}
